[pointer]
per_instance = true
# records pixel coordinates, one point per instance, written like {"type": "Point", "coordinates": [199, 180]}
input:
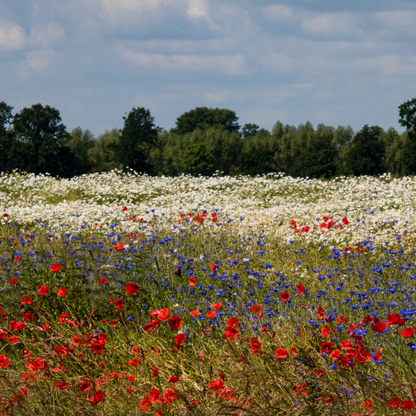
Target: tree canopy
{"type": "Point", "coordinates": [203, 117]}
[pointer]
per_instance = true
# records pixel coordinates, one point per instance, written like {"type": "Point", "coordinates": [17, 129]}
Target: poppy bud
{"type": "Point", "coordinates": [178, 271]}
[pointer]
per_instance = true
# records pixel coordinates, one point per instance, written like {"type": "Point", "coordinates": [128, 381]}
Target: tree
{"type": "Point", "coordinates": [407, 112]}
{"type": "Point", "coordinates": [43, 140]}
{"type": "Point", "coordinates": [137, 140]}
{"type": "Point", "coordinates": [319, 156]}
{"type": "Point", "coordinates": [366, 152]}
{"type": "Point", "coordinates": [5, 117]}
{"type": "Point", "coordinates": [249, 130]}
{"type": "Point", "coordinates": [203, 118]}
{"type": "Point", "coordinates": [103, 156]}
{"type": "Point", "coordinates": [197, 160]}
{"type": "Point", "coordinates": [80, 143]}
{"type": "Point", "coordinates": [7, 137]}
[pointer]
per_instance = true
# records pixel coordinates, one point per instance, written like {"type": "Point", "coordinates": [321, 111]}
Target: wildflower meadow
{"type": "Point", "coordinates": [126, 294]}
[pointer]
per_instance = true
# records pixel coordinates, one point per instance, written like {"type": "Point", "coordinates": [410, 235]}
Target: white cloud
{"type": "Point", "coordinates": [278, 12]}
{"type": "Point", "coordinates": [12, 36]}
{"type": "Point", "coordinates": [403, 20]}
{"type": "Point", "coordinates": [36, 62]}
{"type": "Point", "coordinates": [387, 65]}
{"type": "Point", "coordinates": [47, 35]}
{"type": "Point", "coordinates": [331, 24]}
{"type": "Point", "coordinates": [227, 64]}
{"type": "Point", "coordinates": [279, 61]}
{"type": "Point", "coordinates": [122, 11]}
{"type": "Point", "coordinates": [197, 8]}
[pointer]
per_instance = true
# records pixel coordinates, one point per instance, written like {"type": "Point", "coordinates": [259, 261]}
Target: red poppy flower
{"type": "Point", "coordinates": [211, 314]}
{"type": "Point", "coordinates": [281, 353]}
{"type": "Point", "coordinates": [395, 403]}
{"type": "Point", "coordinates": [155, 371]}
{"type": "Point", "coordinates": [135, 362]}
{"type": "Point", "coordinates": [192, 281]}
{"type": "Point", "coordinates": [145, 404]}
{"type": "Point", "coordinates": [97, 347]}
{"type": "Point", "coordinates": [293, 223]}
{"type": "Point", "coordinates": [173, 379]}
{"type": "Point", "coordinates": [55, 268]}
{"type": "Point", "coordinates": [216, 385]}
{"type": "Point", "coordinates": [230, 333]}
{"type": "Point", "coordinates": [103, 281]}
{"type": "Point", "coordinates": [178, 271]}
{"type": "Point", "coordinates": [217, 306]}
{"type": "Point", "coordinates": [367, 403]}
{"type": "Point", "coordinates": [62, 385]}
{"type": "Point", "coordinates": [300, 289]}
{"type": "Point", "coordinates": [213, 267]}
{"type": "Point", "coordinates": [154, 395]}
{"type": "Point", "coordinates": [325, 331]}
{"type": "Point", "coordinates": [97, 397]}
{"type": "Point", "coordinates": [62, 291]}
{"type": "Point", "coordinates": [255, 308]}
{"type": "Point", "coordinates": [194, 313]}
{"type": "Point", "coordinates": [294, 351]}
{"type": "Point", "coordinates": [26, 301]}
{"type": "Point", "coordinates": [124, 208]}
{"type": "Point", "coordinates": [255, 345]}
{"type": "Point", "coordinates": [327, 347]}
{"type": "Point", "coordinates": [179, 340]}
{"type": "Point", "coordinates": [43, 290]}
{"type": "Point", "coordinates": [63, 318]}
{"type": "Point", "coordinates": [14, 282]}
{"type": "Point", "coordinates": [175, 322]}
{"type": "Point", "coordinates": [17, 326]}
{"type": "Point", "coordinates": [393, 319]}
{"type": "Point", "coordinates": [284, 296]}
{"type": "Point", "coordinates": [163, 314]}
{"type": "Point", "coordinates": [407, 405]}
{"type": "Point", "coordinates": [119, 304]}
{"type": "Point", "coordinates": [379, 326]}
{"type": "Point", "coordinates": [345, 221]}
{"type": "Point", "coordinates": [170, 396]}
{"type": "Point", "coordinates": [4, 361]}
{"type": "Point", "coordinates": [233, 322]}
{"type": "Point", "coordinates": [119, 247]}
{"type": "Point", "coordinates": [132, 288]}
{"type": "Point", "coordinates": [407, 333]}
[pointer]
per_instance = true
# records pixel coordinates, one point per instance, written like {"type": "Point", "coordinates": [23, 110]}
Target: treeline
{"type": "Point", "coordinates": [203, 141]}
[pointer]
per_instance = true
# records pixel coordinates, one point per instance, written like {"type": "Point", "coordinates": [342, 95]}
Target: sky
{"type": "Point", "coordinates": [343, 62]}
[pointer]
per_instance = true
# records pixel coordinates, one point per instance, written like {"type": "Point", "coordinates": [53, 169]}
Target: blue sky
{"type": "Point", "coordinates": [333, 62]}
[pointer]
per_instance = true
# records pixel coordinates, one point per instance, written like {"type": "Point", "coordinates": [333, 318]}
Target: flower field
{"type": "Point", "coordinates": [123, 294]}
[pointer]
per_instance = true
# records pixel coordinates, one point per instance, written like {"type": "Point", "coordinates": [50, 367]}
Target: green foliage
{"type": "Point", "coordinates": [249, 130]}
{"type": "Point", "coordinates": [35, 140]}
{"type": "Point", "coordinates": [81, 142]}
{"type": "Point", "coordinates": [5, 117]}
{"type": "Point", "coordinates": [103, 156]}
{"type": "Point", "coordinates": [318, 159]}
{"type": "Point", "coordinates": [366, 152]}
{"type": "Point", "coordinates": [44, 141]}
{"type": "Point", "coordinates": [198, 160]}
{"type": "Point", "coordinates": [203, 118]}
{"type": "Point", "coordinates": [407, 112]}
{"type": "Point", "coordinates": [138, 138]}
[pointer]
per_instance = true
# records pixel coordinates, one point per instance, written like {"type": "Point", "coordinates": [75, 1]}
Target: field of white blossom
{"type": "Point", "coordinates": [376, 207]}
